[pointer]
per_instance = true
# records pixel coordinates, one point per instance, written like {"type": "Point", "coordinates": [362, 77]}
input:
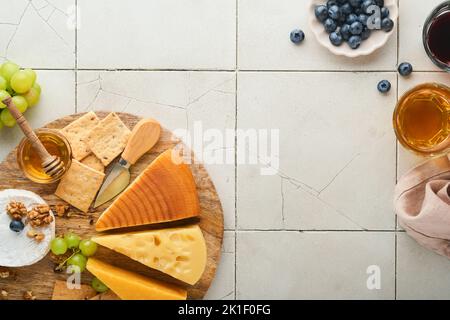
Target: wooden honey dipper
{"type": "Point", "coordinates": [52, 165]}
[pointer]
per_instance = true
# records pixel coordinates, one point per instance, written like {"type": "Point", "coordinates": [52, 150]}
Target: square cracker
{"type": "Point", "coordinates": [93, 162]}
{"type": "Point", "coordinates": [108, 139]}
{"type": "Point", "coordinates": [76, 134]}
{"type": "Point", "coordinates": [80, 185]}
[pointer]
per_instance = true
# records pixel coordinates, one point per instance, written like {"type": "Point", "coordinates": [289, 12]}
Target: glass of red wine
{"type": "Point", "coordinates": [436, 36]}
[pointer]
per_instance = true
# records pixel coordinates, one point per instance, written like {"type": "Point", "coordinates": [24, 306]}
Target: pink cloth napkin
{"type": "Point", "coordinates": [422, 204]}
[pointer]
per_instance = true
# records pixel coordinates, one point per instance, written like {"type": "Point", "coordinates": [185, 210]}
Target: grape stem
{"type": "Point", "coordinates": [62, 264]}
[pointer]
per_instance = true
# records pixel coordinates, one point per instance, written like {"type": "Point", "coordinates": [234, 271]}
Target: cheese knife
{"type": "Point", "coordinates": [144, 136]}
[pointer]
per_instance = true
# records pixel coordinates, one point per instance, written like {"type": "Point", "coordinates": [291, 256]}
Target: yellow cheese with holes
{"type": "Point", "coordinates": [178, 252]}
{"type": "Point", "coordinates": [132, 286]}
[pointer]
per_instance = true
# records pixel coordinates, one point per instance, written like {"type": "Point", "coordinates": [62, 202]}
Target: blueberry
{"type": "Point", "coordinates": [297, 36]}
{"type": "Point", "coordinates": [384, 86]}
{"type": "Point", "coordinates": [384, 12]}
{"type": "Point", "coordinates": [363, 19]}
{"type": "Point", "coordinates": [387, 24]}
{"type": "Point", "coordinates": [379, 3]}
{"type": "Point", "coordinates": [351, 18]}
{"type": "Point", "coordinates": [16, 225]}
{"type": "Point", "coordinates": [336, 38]}
{"type": "Point", "coordinates": [354, 42]}
{"type": "Point", "coordinates": [358, 11]}
{"type": "Point", "coordinates": [334, 12]}
{"type": "Point", "coordinates": [365, 34]}
{"type": "Point", "coordinates": [341, 2]}
{"type": "Point", "coordinates": [355, 3]}
{"type": "Point", "coordinates": [330, 25]}
{"type": "Point", "coordinates": [345, 31]}
{"type": "Point", "coordinates": [356, 27]}
{"type": "Point", "coordinates": [366, 6]}
{"type": "Point", "coordinates": [405, 69]}
{"type": "Point", "coordinates": [346, 8]}
{"type": "Point", "coordinates": [331, 3]}
{"type": "Point", "coordinates": [321, 13]}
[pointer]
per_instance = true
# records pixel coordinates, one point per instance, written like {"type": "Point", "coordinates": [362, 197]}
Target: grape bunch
{"type": "Point", "coordinates": [21, 85]}
{"type": "Point", "coordinates": [80, 250]}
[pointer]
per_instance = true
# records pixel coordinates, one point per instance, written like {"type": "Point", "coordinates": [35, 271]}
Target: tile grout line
{"type": "Point", "coordinates": [227, 70]}
{"type": "Point", "coordinates": [235, 146]}
{"type": "Point", "coordinates": [316, 230]}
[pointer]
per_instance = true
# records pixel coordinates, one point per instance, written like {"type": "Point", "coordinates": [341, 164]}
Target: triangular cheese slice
{"type": "Point", "coordinates": [178, 252]}
{"type": "Point", "coordinates": [132, 286]}
{"type": "Point", "coordinates": [164, 191]}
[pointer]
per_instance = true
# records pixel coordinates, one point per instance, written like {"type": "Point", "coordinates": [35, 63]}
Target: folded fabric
{"type": "Point", "coordinates": [422, 204]}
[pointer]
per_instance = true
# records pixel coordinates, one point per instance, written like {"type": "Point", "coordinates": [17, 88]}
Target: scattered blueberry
{"type": "Point", "coordinates": [334, 12]}
{"type": "Point", "coordinates": [405, 69]}
{"type": "Point", "coordinates": [330, 25]}
{"type": "Point", "coordinates": [351, 18]}
{"type": "Point", "coordinates": [387, 24]}
{"type": "Point", "coordinates": [321, 13]}
{"type": "Point", "coordinates": [16, 225]}
{"type": "Point", "coordinates": [365, 34]}
{"type": "Point", "coordinates": [336, 38]}
{"type": "Point", "coordinates": [384, 12]}
{"type": "Point", "coordinates": [363, 19]}
{"type": "Point", "coordinates": [345, 32]}
{"type": "Point", "coordinates": [346, 8]}
{"type": "Point", "coordinates": [297, 36]}
{"type": "Point", "coordinates": [384, 86]}
{"type": "Point", "coordinates": [354, 42]}
{"type": "Point", "coordinates": [356, 28]}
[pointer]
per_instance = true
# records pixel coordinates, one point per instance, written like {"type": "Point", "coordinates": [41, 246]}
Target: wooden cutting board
{"type": "Point", "coordinates": [40, 278]}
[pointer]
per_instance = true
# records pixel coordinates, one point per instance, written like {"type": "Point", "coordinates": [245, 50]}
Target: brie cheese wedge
{"type": "Point", "coordinates": [17, 249]}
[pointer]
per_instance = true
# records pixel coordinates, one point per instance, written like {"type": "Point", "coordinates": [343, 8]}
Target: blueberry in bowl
{"type": "Point", "coordinates": [335, 22]}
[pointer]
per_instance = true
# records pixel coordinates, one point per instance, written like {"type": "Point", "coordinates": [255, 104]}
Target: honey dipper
{"type": "Point", "coordinates": [51, 165]}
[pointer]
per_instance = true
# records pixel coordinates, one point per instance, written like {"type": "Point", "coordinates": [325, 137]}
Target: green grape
{"type": "Point", "coordinates": [32, 97]}
{"type": "Point", "coordinates": [98, 286]}
{"type": "Point", "coordinates": [58, 246]}
{"type": "Point", "coordinates": [3, 95]}
{"type": "Point", "coordinates": [21, 103]}
{"type": "Point", "coordinates": [7, 119]}
{"type": "Point", "coordinates": [37, 87]}
{"type": "Point", "coordinates": [21, 81]}
{"type": "Point", "coordinates": [79, 261]}
{"type": "Point", "coordinates": [1, 124]}
{"type": "Point", "coordinates": [8, 69]}
{"type": "Point", "coordinates": [72, 240]}
{"type": "Point", "coordinates": [88, 247]}
{"type": "Point", "coordinates": [3, 83]}
{"type": "Point", "coordinates": [31, 73]}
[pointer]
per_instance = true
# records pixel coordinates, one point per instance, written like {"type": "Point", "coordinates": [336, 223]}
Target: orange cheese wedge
{"type": "Point", "coordinates": [132, 286]}
{"type": "Point", "coordinates": [164, 191]}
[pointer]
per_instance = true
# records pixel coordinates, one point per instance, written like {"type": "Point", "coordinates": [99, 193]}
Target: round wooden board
{"type": "Point", "coordinates": [40, 277]}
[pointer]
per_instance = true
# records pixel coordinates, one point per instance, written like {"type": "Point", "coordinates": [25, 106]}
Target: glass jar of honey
{"type": "Point", "coordinates": [422, 119]}
{"type": "Point", "coordinates": [30, 162]}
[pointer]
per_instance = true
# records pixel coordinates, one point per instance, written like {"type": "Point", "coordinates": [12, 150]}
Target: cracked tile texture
{"type": "Point", "coordinates": [228, 65]}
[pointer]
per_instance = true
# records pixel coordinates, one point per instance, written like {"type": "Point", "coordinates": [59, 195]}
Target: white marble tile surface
{"type": "Point", "coordinates": [314, 265]}
{"type": "Point", "coordinates": [332, 132]}
{"type": "Point", "coordinates": [169, 34]}
{"type": "Point", "coordinates": [264, 28]}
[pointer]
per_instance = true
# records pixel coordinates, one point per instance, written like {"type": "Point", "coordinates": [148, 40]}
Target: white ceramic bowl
{"type": "Point", "coordinates": [377, 39]}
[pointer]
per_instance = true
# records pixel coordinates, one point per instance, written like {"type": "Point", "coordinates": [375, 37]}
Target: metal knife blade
{"type": "Point", "coordinates": [117, 180]}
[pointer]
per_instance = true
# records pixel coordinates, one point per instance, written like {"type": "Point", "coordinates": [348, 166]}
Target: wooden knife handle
{"type": "Point", "coordinates": [28, 131]}
{"type": "Point", "coordinates": [144, 136]}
